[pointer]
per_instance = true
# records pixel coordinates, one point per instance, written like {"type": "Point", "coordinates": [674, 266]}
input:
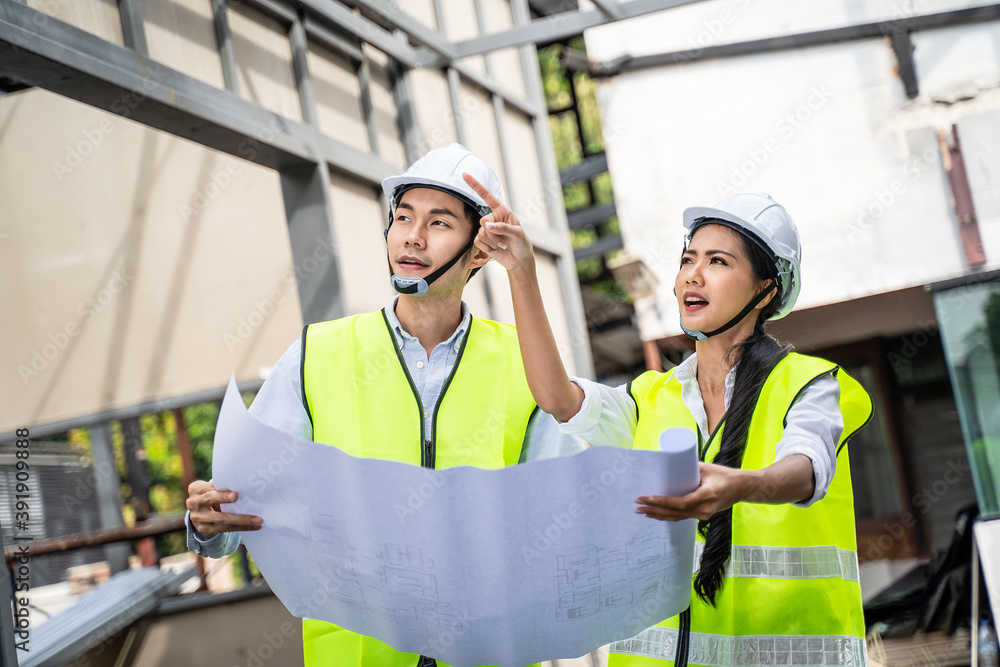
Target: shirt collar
{"type": "Point", "coordinates": [455, 339]}
{"type": "Point", "coordinates": [687, 371]}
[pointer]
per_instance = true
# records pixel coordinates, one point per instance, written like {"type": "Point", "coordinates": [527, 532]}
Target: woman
{"type": "Point", "coordinates": [776, 578]}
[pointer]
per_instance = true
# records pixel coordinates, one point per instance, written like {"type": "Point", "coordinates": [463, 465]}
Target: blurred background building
{"type": "Point", "coordinates": [187, 182]}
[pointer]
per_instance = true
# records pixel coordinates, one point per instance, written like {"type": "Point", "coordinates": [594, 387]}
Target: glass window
{"type": "Point", "coordinates": [969, 318]}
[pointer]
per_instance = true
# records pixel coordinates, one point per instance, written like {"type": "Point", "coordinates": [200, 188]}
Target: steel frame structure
{"type": "Point", "coordinates": [36, 49]}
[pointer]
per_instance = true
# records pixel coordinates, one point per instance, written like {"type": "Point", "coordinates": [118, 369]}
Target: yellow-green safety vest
{"type": "Point", "coordinates": [361, 398]}
{"type": "Point", "coordinates": [791, 594]}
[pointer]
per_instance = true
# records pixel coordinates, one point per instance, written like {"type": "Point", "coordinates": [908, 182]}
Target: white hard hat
{"type": "Point", "coordinates": [767, 222]}
{"type": "Point", "coordinates": [442, 169]}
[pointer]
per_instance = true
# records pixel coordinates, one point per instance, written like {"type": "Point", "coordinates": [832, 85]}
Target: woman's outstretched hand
{"type": "Point", "coordinates": [789, 480]}
{"type": "Point", "coordinates": [501, 235]}
{"type": "Point", "coordinates": [720, 489]}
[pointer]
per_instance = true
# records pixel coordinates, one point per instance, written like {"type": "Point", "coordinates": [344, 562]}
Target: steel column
{"type": "Point", "coordinates": [306, 193]}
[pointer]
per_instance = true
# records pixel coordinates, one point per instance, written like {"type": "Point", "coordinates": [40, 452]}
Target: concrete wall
{"type": "Point", "coordinates": [138, 266]}
{"type": "Point", "coordinates": [828, 132]}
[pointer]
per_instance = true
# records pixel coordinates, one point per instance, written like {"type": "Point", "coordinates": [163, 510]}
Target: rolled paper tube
{"type": "Point", "coordinates": [681, 447]}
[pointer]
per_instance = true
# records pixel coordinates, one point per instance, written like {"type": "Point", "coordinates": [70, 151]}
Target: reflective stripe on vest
{"type": "Point", "coordinates": [361, 398]}
{"type": "Point", "coordinates": [724, 651]}
{"type": "Point", "coordinates": [819, 562]}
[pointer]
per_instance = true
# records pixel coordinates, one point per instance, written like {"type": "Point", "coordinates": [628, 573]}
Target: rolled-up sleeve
{"type": "Point", "coordinates": [607, 417]}
{"type": "Point", "coordinates": [813, 428]}
{"type": "Point", "coordinates": [217, 546]}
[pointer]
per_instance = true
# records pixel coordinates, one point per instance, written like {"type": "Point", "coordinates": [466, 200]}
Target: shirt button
{"type": "Point", "coordinates": [426, 414]}
{"type": "Point", "coordinates": [420, 364]}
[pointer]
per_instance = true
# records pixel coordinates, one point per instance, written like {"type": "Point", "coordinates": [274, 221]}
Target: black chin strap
{"type": "Point", "coordinates": [698, 335]}
{"type": "Point", "coordinates": [413, 289]}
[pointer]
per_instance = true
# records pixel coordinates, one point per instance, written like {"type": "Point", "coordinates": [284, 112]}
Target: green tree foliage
{"type": "Point", "coordinates": [572, 142]}
{"type": "Point", "coordinates": [167, 491]}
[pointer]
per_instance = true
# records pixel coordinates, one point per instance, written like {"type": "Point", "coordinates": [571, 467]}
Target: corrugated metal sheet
{"type": "Point", "coordinates": [102, 613]}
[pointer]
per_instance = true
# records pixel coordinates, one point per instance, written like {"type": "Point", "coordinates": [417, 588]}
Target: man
{"type": "Point", "coordinates": [420, 381]}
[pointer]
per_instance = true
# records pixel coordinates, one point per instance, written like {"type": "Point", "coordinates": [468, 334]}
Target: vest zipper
{"type": "Point", "coordinates": [428, 451]}
{"type": "Point", "coordinates": [427, 447]}
{"type": "Point", "coordinates": [432, 443]}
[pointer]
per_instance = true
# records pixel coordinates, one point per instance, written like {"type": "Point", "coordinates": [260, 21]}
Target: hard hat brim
{"type": "Point", "coordinates": [694, 213]}
{"type": "Point", "coordinates": [391, 184]}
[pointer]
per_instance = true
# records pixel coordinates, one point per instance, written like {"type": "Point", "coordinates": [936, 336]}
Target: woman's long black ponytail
{"type": "Point", "coordinates": [757, 356]}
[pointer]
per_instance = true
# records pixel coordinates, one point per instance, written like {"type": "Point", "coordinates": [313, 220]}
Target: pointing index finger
{"type": "Point", "coordinates": [481, 190]}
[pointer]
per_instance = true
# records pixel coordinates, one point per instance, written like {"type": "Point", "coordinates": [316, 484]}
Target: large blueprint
{"type": "Point", "coordinates": [504, 567]}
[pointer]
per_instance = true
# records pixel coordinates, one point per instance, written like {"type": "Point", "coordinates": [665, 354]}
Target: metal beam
{"type": "Point", "coordinates": [491, 86]}
{"type": "Point", "coordinates": [600, 247]}
{"type": "Point", "coordinates": [315, 255]}
{"type": "Point", "coordinates": [137, 410]}
{"type": "Point", "coordinates": [300, 68]}
{"type": "Point", "coordinates": [275, 9]}
{"type": "Point", "coordinates": [508, 159]}
{"type": "Point", "coordinates": [557, 27]}
{"type": "Point", "coordinates": [802, 40]}
{"type": "Point", "coordinates": [585, 169]}
{"type": "Point", "coordinates": [391, 14]}
{"type": "Point", "coordinates": [402, 96]}
{"type": "Point", "coordinates": [109, 511]}
{"type": "Point", "coordinates": [55, 545]}
{"type": "Point", "coordinates": [81, 66]}
{"type": "Point", "coordinates": [224, 38]}
{"type": "Point", "coordinates": [558, 233]}
{"type": "Point", "coordinates": [331, 40]}
{"type": "Point", "coordinates": [133, 30]}
{"type": "Point", "coordinates": [367, 109]}
{"type": "Point", "coordinates": [591, 215]}
{"type": "Point", "coordinates": [337, 15]}
{"type": "Point", "coordinates": [611, 8]}
{"type": "Point", "coordinates": [455, 92]}
{"type": "Point", "coordinates": [902, 45]}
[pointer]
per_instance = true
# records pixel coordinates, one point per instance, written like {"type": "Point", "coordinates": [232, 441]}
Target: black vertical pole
{"type": "Point", "coordinates": [8, 652]}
